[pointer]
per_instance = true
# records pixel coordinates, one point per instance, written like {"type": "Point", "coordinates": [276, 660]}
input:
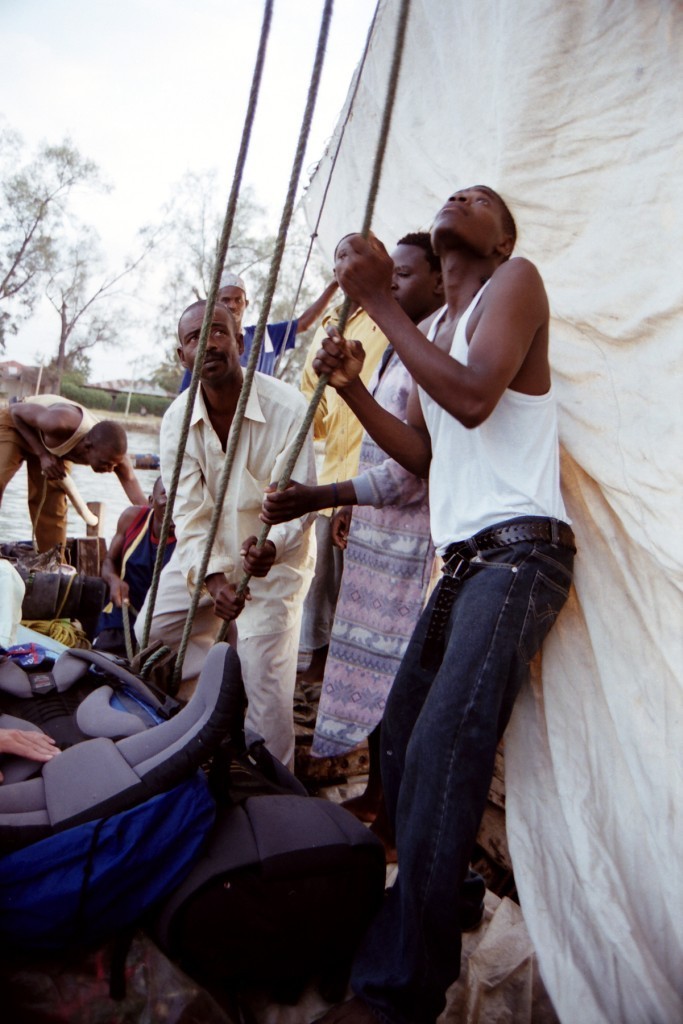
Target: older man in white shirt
{"type": "Point", "coordinates": [269, 622]}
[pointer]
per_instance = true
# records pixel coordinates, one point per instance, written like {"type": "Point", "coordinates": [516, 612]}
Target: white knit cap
{"type": "Point", "coordinates": [230, 280]}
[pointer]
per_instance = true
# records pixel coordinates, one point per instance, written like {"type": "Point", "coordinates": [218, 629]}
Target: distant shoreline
{"type": "Point", "coordinates": [134, 421]}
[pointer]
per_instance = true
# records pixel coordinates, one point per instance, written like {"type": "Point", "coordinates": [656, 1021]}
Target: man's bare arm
{"type": "Point", "coordinates": [317, 308]}
{"type": "Point", "coordinates": [297, 500]}
{"type": "Point", "coordinates": [408, 443]}
{"type": "Point", "coordinates": [130, 483]}
{"type": "Point", "coordinates": [111, 566]}
{"type": "Point", "coordinates": [56, 423]}
{"type": "Point", "coordinates": [514, 314]}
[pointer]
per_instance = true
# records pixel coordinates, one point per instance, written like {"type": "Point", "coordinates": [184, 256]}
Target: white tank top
{"type": "Point", "coordinates": [508, 466]}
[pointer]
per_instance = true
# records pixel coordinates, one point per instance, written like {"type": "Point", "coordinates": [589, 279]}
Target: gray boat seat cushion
{"type": "Point", "coordinates": [96, 717]}
{"type": "Point", "coordinates": [100, 776]}
{"type": "Point", "coordinates": [14, 768]}
{"type": "Point", "coordinates": [148, 749]}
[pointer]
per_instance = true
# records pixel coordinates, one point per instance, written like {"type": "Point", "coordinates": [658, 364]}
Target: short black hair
{"type": "Point", "coordinates": [422, 240]}
{"type": "Point", "coordinates": [110, 435]}
{"type": "Point", "coordinates": [193, 305]}
{"type": "Point", "coordinates": [509, 226]}
{"type": "Point", "coordinates": [202, 302]}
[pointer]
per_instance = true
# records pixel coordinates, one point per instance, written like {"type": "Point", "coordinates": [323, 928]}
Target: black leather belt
{"type": "Point", "coordinates": [530, 528]}
{"type": "Point", "coordinates": [458, 565]}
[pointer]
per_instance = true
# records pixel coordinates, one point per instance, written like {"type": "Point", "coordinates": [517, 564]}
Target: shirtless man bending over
{"type": "Point", "coordinates": [42, 431]}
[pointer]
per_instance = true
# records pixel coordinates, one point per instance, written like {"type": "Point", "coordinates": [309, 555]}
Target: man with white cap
{"type": "Point", "coordinates": [278, 336]}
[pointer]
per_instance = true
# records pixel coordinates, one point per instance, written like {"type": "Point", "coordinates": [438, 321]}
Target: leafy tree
{"type": "Point", "coordinates": [193, 221]}
{"type": "Point", "coordinates": [82, 293]}
{"type": "Point", "coordinates": [76, 373]}
{"type": "Point", "coordinates": [34, 197]}
{"type": "Point", "coordinates": [168, 373]}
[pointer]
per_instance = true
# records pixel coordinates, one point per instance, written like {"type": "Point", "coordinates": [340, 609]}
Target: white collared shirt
{"type": "Point", "coordinates": [274, 412]}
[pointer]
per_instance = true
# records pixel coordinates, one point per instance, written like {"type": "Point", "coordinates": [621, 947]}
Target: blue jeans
{"type": "Point", "coordinates": [440, 731]}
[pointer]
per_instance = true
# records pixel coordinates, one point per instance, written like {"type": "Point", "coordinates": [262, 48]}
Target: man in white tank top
{"type": "Point", "coordinates": [41, 431]}
{"type": "Point", "coordinates": [481, 423]}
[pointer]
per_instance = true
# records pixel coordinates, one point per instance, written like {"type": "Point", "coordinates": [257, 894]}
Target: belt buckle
{"type": "Point", "coordinates": [456, 571]}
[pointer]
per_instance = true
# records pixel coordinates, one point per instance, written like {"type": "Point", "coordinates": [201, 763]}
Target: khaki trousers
{"type": "Point", "coordinates": [47, 502]}
{"type": "Point", "coordinates": [268, 661]}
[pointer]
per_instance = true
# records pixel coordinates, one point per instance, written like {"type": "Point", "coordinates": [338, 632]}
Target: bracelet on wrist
{"type": "Point", "coordinates": [335, 496]}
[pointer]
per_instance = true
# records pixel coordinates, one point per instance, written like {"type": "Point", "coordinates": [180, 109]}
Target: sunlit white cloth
{"type": "Point", "coordinates": [568, 110]}
{"type": "Point", "coordinates": [12, 589]}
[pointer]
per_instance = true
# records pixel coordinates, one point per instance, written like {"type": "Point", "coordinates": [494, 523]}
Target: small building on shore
{"type": "Point", "coordinates": [18, 381]}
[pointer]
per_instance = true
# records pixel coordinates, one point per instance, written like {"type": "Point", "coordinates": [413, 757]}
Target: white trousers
{"type": "Point", "coordinates": [268, 661]}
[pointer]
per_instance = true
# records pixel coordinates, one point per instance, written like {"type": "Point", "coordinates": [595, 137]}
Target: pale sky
{"type": "Point", "coordinates": [151, 89]}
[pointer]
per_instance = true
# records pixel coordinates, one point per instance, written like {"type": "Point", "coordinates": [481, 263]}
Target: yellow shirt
{"type": "Point", "coordinates": [334, 423]}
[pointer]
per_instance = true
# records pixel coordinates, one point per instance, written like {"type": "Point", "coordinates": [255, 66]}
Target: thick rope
{"type": "Point", "coordinates": [323, 201]}
{"type": "Point", "coordinates": [151, 661]}
{"type": "Point", "coordinates": [370, 206]}
{"type": "Point", "coordinates": [127, 633]}
{"type": "Point", "coordinates": [208, 316]}
{"type": "Point", "coordinates": [35, 521]}
{"type": "Point", "coordinates": [250, 369]}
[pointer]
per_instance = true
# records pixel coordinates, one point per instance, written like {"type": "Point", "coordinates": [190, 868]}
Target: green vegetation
{"type": "Point", "coordinates": [46, 252]}
{"type": "Point", "coordinates": [94, 398]}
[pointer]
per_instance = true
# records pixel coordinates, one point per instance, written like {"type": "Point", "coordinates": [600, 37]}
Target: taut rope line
{"type": "Point", "coordinates": [127, 633]}
{"type": "Point", "coordinates": [370, 206]}
{"type": "Point", "coordinates": [250, 369]}
{"type": "Point", "coordinates": [34, 522]}
{"type": "Point", "coordinates": [211, 300]}
{"type": "Point", "coordinates": [314, 233]}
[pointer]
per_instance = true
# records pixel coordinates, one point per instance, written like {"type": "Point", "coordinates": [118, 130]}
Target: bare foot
{"type": "Point", "coordinates": [355, 1011]}
{"type": "Point", "coordinates": [364, 807]}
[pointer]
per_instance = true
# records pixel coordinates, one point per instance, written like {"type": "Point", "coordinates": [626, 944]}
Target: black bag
{"type": "Point", "coordinates": [283, 892]}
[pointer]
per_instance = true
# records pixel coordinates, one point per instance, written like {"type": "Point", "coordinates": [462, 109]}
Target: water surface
{"type": "Point", "coordinates": [15, 523]}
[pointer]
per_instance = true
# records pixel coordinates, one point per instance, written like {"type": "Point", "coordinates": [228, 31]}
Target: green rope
{"type": "Point", "coordinates": [208, 316]}
{"type": "Point", "coordinates": [151, 661]}
{"type": "Point", "coordinates": [250, 369]}
{"type": "Point", "coordinates": [370, 206]}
